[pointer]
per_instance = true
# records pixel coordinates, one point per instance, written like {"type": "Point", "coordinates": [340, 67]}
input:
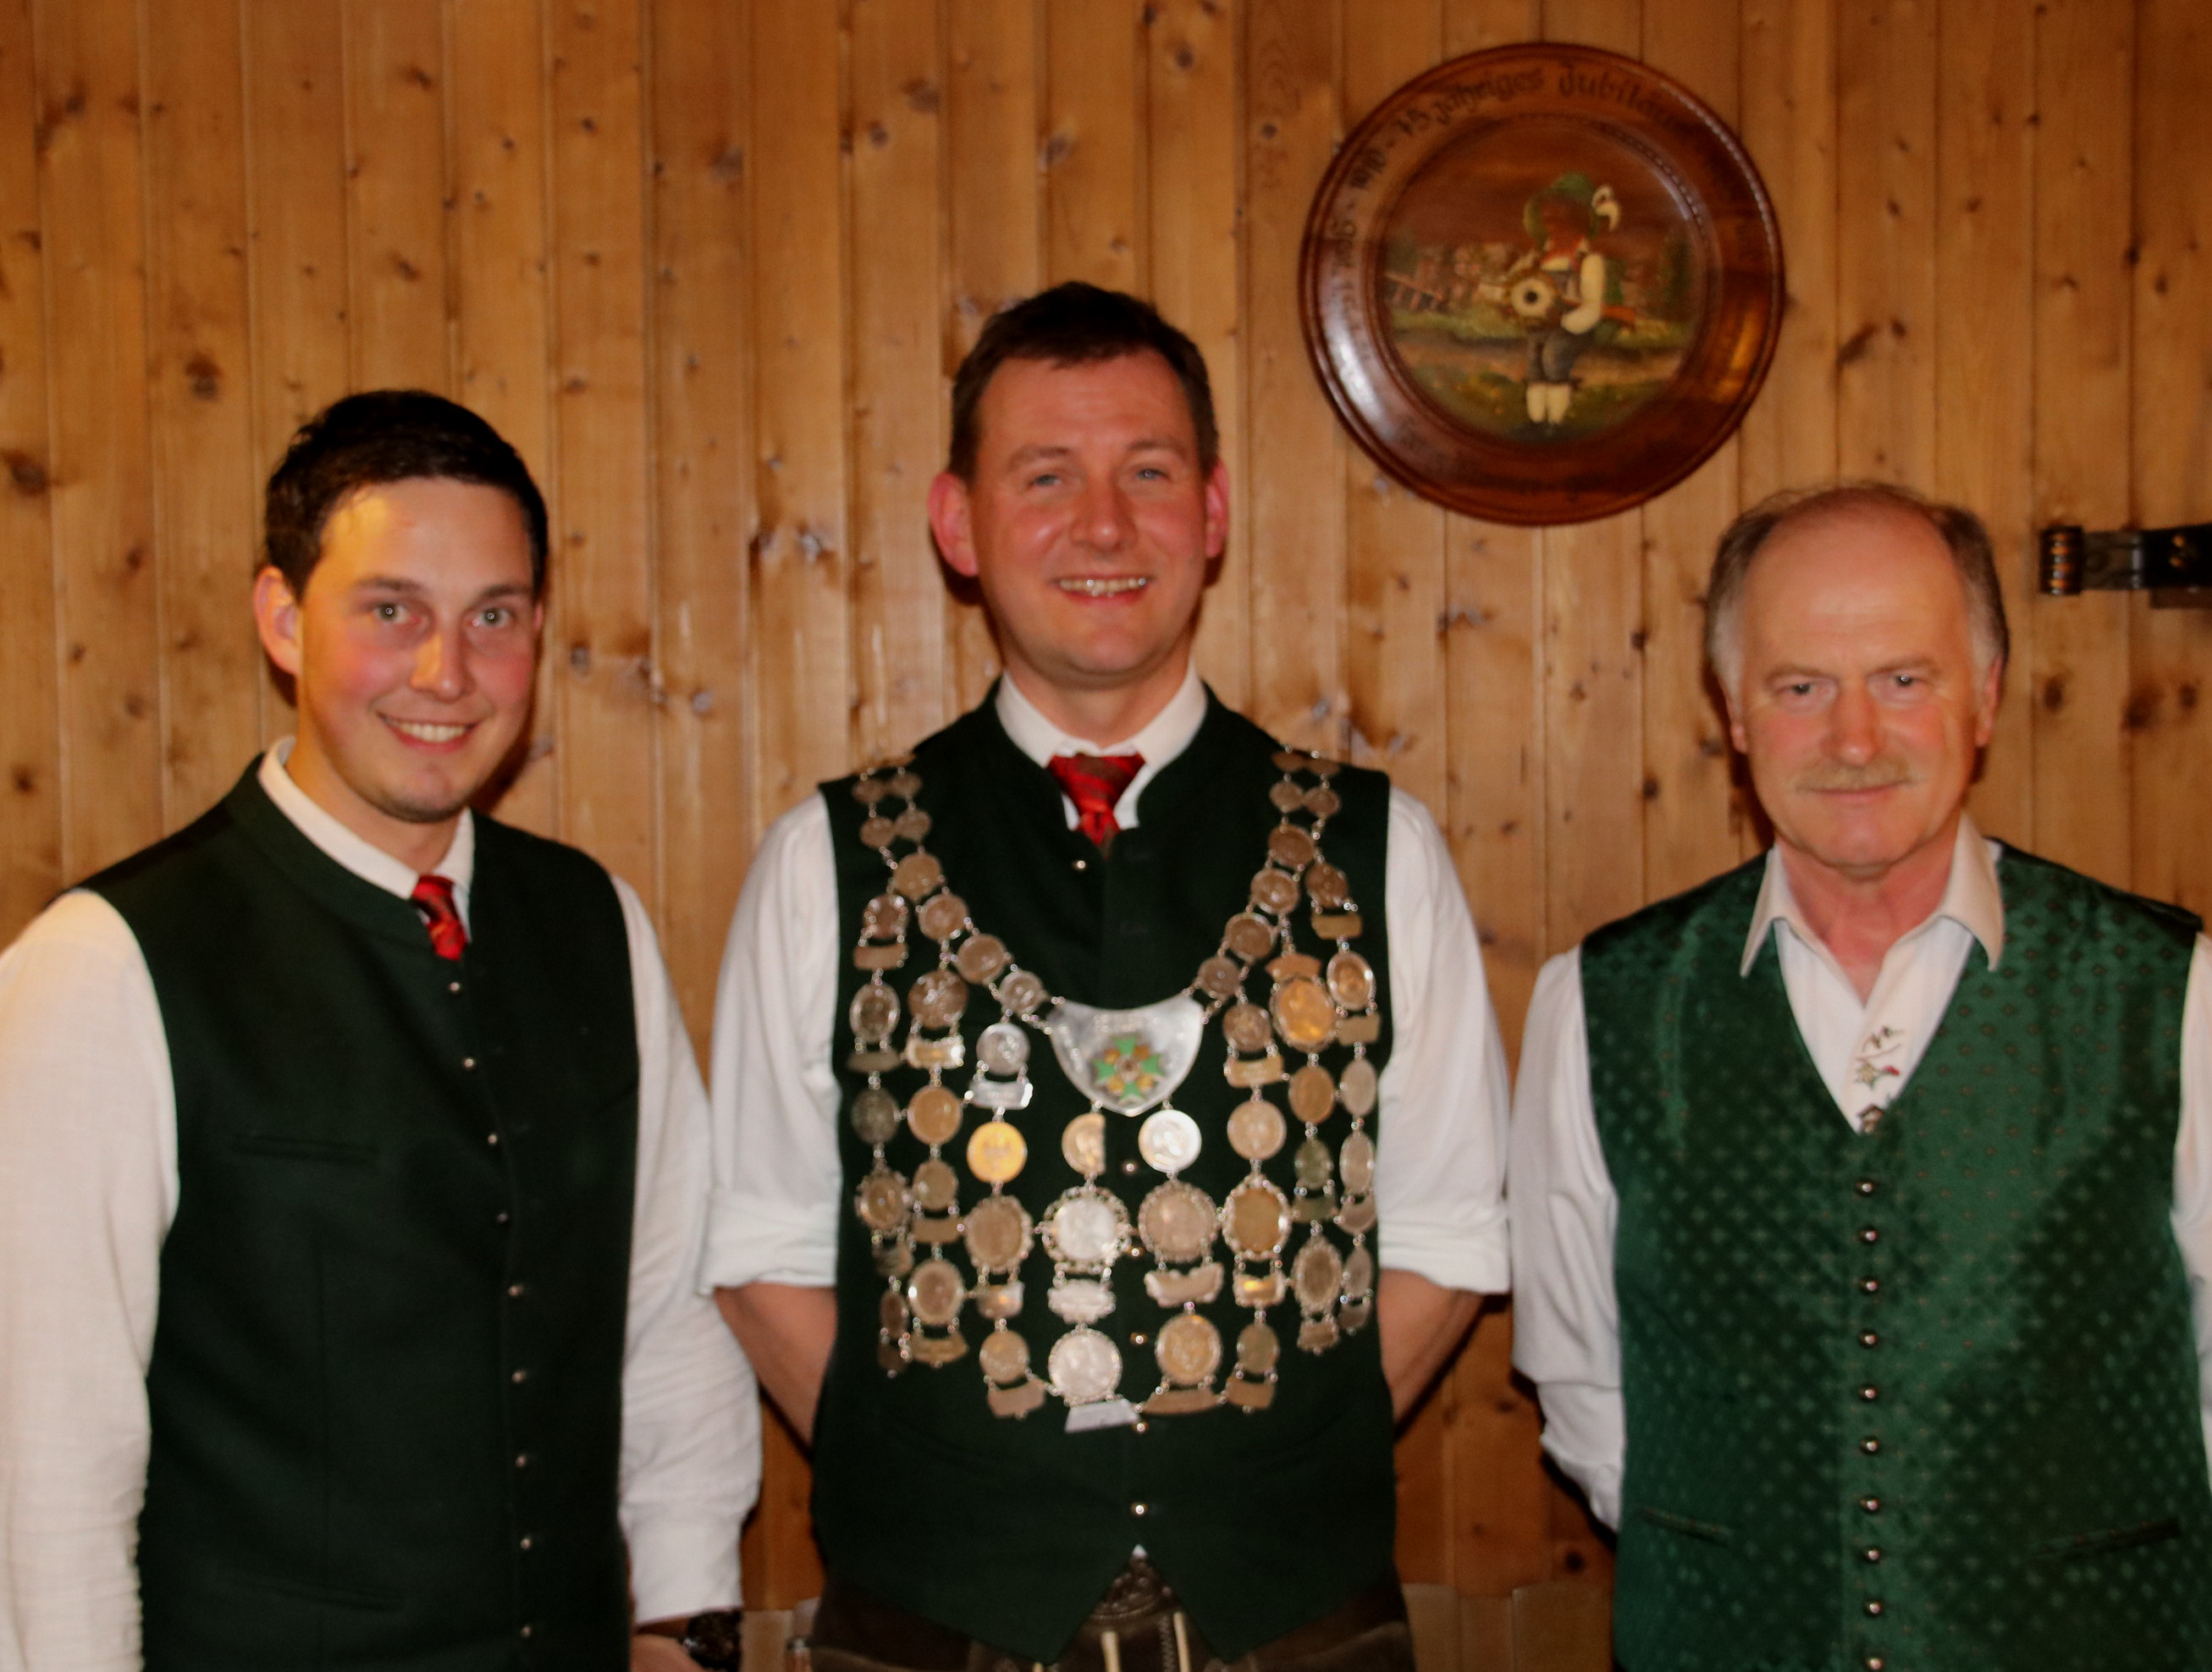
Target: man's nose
{"type": "Point", "coordinates": [1105, 522]}
{"type": "Point", "coordinates": [442, 665]}
{"type": "Point", "coordinates": [1854, 727]}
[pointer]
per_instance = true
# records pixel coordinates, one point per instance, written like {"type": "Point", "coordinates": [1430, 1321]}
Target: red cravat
{"type": "Point", "coordinates": [434, 898]}
{"type": "Point", "coordinates": [1095, 784]}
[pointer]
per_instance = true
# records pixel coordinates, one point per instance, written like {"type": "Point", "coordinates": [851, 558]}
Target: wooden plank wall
{"type": "Point", "coordinates": [709, 263]}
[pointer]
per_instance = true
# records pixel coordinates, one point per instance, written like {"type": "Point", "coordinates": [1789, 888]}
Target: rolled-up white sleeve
{"type": "Point", "coordinates": [87, 1188]}
{"type": "Point", "coordinates": [2192, 1166]}
{"type": "Point", "coordinates": [1440, 1151]}
{"type": "Point", "coordinates": [777, 1177]}
{"type": "Point", "coordinates": [690, 1441]}
{"type": "Point", "coordinates": [1566, 1318]}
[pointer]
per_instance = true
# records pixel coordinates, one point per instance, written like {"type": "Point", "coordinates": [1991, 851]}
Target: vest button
{"type": "Point", "coordinates": [492, 1138]}
{"type": "Point", "coordinates": [1871, 1505]}
{"type": "Point", "coordinates": [499, 1218]}
{"type": "Point", "coordinates": [1869, 1286]}
{"type": "Point", "coordinates": [1083, 865]}
{"type": "Point", "coordinates": [1870, 1235]}
{"type": "Point", "coordinates": [526, 1631]}
{"type": "Point", "coordinates": [453, 986]}
{"type": "Point", "coordinates": [1866, 1187]}
{"type": "Point", "coordinates": [469, 1062]}
{"type": "Point", "coordinates": [1869, 1393]}
{"type": "Point", "coordinates": [1138, 1509]}
{"type": "Point", "coordinates": [1129, 1167]}
{"type": "Point", "coordinates": [525, 1541]}
{"type": "Point", "coordinates": [1875, 1663]}
{"type": "Point", "coordinates": [1873, 1608]}
{"type": "Point", "coordinates": [519, 1378]}
{"type": "Point", "coordinates": [1136, 1340]}
{"type": "Point", "coordinates": [1872, 1553]}
{"type": "Point", "coordinates": [1868, 1337]}
{"type": "Point", "coordinates": [514, 1292]}
{"type": "Point", "coordinates": [522, 1460]}
{"type": "Point", "coordinates": [1870, 1445]}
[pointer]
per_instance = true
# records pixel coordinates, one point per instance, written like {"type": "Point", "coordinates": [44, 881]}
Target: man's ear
{"type": "Point", "coordinates": [950, 522]}
{"type": "Point", "coordinates": [1992, 691]}
{"type": "Point", "coordinates": [277, 618]}
{"type": "Point", "coordinates": [1217, 508]}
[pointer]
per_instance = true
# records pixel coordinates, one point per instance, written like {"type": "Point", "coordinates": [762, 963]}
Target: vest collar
{"type": "Point", "coordinates": [1161, 740]}
{"type": "Point", "coordinates": [363, 858]}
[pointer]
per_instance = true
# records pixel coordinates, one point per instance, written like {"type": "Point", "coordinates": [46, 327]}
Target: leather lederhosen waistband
{"type": "Point", "coordinates": [1137, 1627]}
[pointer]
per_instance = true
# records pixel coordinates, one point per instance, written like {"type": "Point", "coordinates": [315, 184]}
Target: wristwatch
{"type": "Point", "coordinates": [715, 1640]}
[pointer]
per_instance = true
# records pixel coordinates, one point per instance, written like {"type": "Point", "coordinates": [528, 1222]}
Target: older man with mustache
{"type": "Point", "coordinates": [1861, 1195]}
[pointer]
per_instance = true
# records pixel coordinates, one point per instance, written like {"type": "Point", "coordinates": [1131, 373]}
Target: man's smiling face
{"type": "Point", "coordinates": [1090, 525]}
{"type": "Point", "coordinates": [414, 649]}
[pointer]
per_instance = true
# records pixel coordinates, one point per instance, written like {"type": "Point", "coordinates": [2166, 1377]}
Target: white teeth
{"type": "Point", "coordinates": [1105, 586]}
{"type": "Point", "coordinates": [427, 731]}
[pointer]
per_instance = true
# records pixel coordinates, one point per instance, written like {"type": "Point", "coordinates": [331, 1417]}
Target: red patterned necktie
{"type": "Point", "coordinates": [1095, 784]}
{"type": "Point", "coordinates": [434, 898]}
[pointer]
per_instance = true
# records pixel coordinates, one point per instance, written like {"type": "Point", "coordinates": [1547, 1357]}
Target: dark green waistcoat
{"type": "Point", "coordinates": [1011, 1529]}
{"type": "Point", "coordinates": [385, 1386]}
{"type": "Point", "coordinates": [1925, 1398]}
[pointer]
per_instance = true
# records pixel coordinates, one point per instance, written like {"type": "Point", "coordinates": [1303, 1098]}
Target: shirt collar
{"type": "Point", "coordinates": [1166, 736]}
{"type": "Point", "coordinates": [363, 858]}
{"type": "Point", "coordinates": [1971, 899]}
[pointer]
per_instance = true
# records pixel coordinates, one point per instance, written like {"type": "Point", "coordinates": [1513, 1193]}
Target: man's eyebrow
{"type": "Point", "coordinates": [1036, 452]}
{"type": "Point", "coordinates": [389, 583]}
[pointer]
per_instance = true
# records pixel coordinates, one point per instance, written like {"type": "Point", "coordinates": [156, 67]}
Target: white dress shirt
{"type": "Point", "coordinates": [88, 1186]}
{"type": "Point", "coordinates": [778, 1186]}
{"type": "Point", "coordinates": [1566, 1322]}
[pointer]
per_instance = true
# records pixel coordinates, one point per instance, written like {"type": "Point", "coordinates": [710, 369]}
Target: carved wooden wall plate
{"type": "Point", "coordinates": [1541, 283]}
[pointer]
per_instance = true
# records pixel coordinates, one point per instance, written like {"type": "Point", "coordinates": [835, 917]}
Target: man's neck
{"type": "Point", "coordinates": [420, 847]}
{"type": "Point", "coordinates": [1858, 918]}
{"type": "Point", "coordinates": [1103, 715]}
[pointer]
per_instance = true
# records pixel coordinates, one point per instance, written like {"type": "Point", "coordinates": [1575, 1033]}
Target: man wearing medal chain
{"type": "Point", "coordinates": [1069, 1077]}
{"type": "Point", "coordinates": [1861, 1195]}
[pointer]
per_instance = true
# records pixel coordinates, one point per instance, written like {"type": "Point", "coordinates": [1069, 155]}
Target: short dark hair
{"type": "Point", "coordinates": [1962, 532]}
{"type": "Point", "coordinates": [387, 435]}
{"type": "Point", "coordinates": [1078, 325]}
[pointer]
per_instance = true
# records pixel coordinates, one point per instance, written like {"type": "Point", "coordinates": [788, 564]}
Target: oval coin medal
{"type": "Point", "coordinates": [934, 1115]}
{"type": "Point", "coordinates": [1004, 1357]}
{"type": "Point", "coordinates": [1247, 1029]}
{"type": "Point", "coordinates": [1352, 981]}
{"type": "Point", "coordinates": [874, 1013]}
{"type": "Point", "coordinates": [890, 1312]}
{"type": "Point", "coordinates": [1358, 1086]}
{"type": "Point", "coordinates": [1003, 1048]}
{"type": "Point", "coordinates": [1168, 1140]}
{"type": "Point", "coordinates": [1304, 1014]}
{"type": "Point", "coordinates": [1086, 1367]}
{"type": "Point", "coordinates": [1313, 1164]}
{"type": "Point", "coordinates": [1177, 1222]}
{"type": "Point", "coordinates": [1322, 802]}
{"type": "Point", "coordinates": [1257, 1349]}
{"type": "Point", "coordinates": [935, 1292]}
{"type": "Point", "coordinates": [1316, 1274]}
{"type": "Point", "coordinates": [942, 917]}
{"type": "Point", "coordinates": [1313, 1094]}
{"type": "Point", "coordinates": [936, 1185]}
{"type": "Point", "coordinates": [1286, 796]}
{"type": "Point", "coordinates": [869, 791]}
{"type": "Point", "coordinates": [982, 957]}
{"type": "Point", "coordinates": [884, 917]}
{"type": "Point", "coordinates": [1087, 1228]}
{"type": "Point", "coordinates": [1250, 937]}
{"type": "Point", "coordinates": [1257, 1219]}
{"type": "Point", "coordinates": [1256, 1130]}
{"type": "Point", "coordinates": [1290, 847]}
{"type": "Point", "coordinates": [1356, 1161]}
{"type": "Point", "coordinates": [1329, 887]}
{"type": "Point", "coordinates": [1359, 1273]}
{"type": "Point", "coordinates": [881, 1202]}
{"type": "Point", "coordinates": [1275, 891]}
{"type": "Point", "coordinates": [906, 785]}
{"type": "Point", "coordinates": [997, 1233]}
{"type": "Point", "coordinates": [938, 999]}
{"type": "Point", "coordinates": [1082, 1143]}
{"type": "Point", "coordinates": [1189, 1349]}
{"type": "Point", "coordinates": [917, 874]}
{"type": "Point", "coordinates": [1021, 992]}
{"type": "Point", "coordinates": [874, 1115]}
{"type": "Point", "coordinates": [912, 824]}
{"type": "Point", "coordinates": [1219, 976]}
{"type": "Point", "coordinates": [997, 1152]}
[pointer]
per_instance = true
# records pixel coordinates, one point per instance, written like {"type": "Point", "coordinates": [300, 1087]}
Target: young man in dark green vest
{"type": "Point", "coordinates": [1860, 1195]}
{"type": "Point", "coordinates": [1063, 1073]}
{"type": "Point", "coordinates": [352, 1162]}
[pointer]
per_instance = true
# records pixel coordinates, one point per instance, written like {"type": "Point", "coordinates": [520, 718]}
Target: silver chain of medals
{"type": "Point", "coordinates": [913, 1221]}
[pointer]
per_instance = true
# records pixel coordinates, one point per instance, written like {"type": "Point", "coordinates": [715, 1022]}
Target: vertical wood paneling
{"type": "Point", "coordinates": [1191, 90]}
{"type": "Point", "coordinates": [91, 205]}
{"type": "Point", "coordinates": [1092, 153]}
{"type": "Point", "coordinates": [709, 264]}
{"type": "Point", "coordinates": [2083, 291]}
{"type": "Point", "coordinates": [30, 737]}
{"type": "Point", "coordinates": [2173, 450]}
{"type": "Point", "coordinates": [502, 300]}
{"type": "Point", "coordinates": [1293, 502]}
{"type": "Point", "coordinates": [609, 685]}
{"type": "Point", "coordinates": [395, 112]}
{"type": "Point", "coordinates": [898, 381]}
{"type": "Point", "coordinates": [1985, 327]}
{"type": "Point", "coordinates": [204, 461]}
{"type": "Point", "coordinates": [1885, 69]}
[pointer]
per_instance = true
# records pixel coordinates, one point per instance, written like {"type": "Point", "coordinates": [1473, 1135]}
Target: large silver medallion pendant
{"type": "Point", "coordinates": [1127, 1060]}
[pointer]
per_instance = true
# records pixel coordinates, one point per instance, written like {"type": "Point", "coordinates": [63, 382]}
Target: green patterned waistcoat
{"type": "Point", "coordinates": [385, 1386]}
{"type": "Point", "coordinates": [1009, 1529]}
{"type": "Point", "coordinates": [1925, 1399]}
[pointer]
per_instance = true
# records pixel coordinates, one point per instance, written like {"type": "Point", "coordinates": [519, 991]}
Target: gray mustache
{"type": "Point", "coordinates": [1841, 776]}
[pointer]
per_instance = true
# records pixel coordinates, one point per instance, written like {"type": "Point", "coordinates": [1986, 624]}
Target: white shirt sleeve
{"type": "Point", "coordinates": [690, 1441]}
{"type": "Point", "coordinates": [2192, 1166]}
{"type": "Point", "coordinates": [1566, 1317]}
{"type": "Point", "coordinates": [87, 1188]}
{"type": "Point", "coordinates": [1440, 1151]}
{"type": "Point", "coordinates": [777, 1177]}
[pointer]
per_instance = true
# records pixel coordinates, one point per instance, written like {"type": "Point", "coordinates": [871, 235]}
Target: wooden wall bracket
{"type": "Point", "coordinates": [2174, 565]}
